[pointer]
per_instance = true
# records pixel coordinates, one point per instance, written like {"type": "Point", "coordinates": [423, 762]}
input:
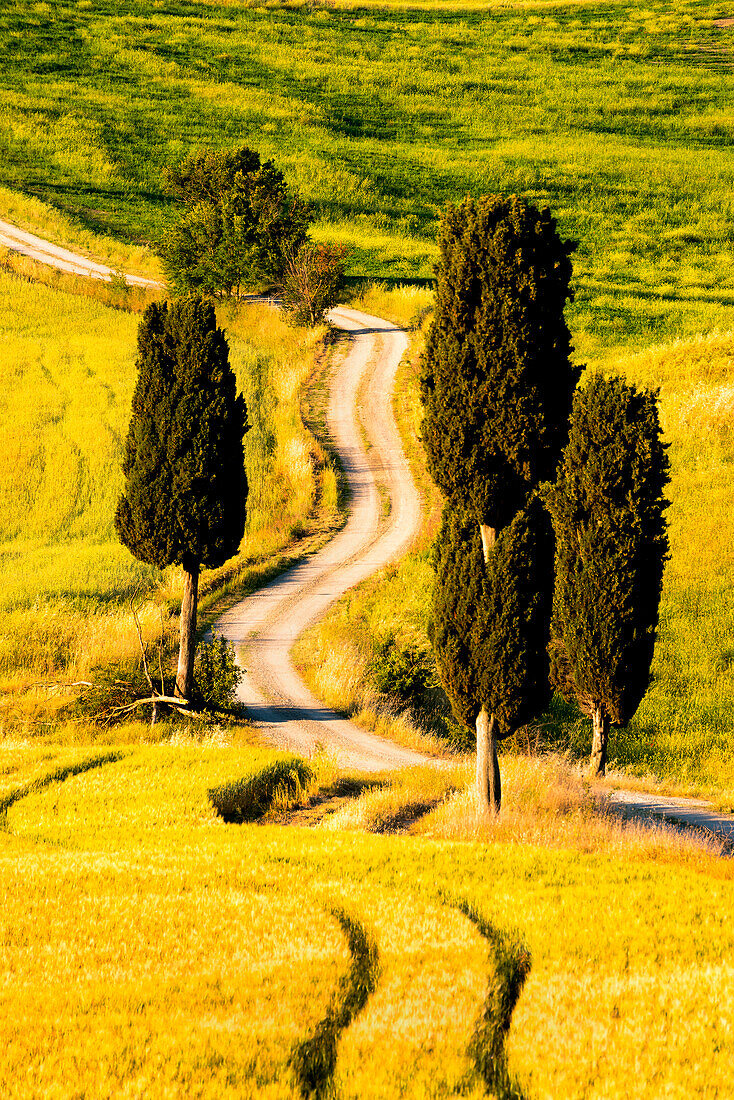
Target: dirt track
{"type": "Point", "coordinates": [265, 625]}
{"type": "Point", "coordinates": [46, 253]}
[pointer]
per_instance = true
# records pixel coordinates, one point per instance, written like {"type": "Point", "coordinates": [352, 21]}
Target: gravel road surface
{"type": "Point", "coordinates": [265, 625]}
{"type": "Point", "coordinates": [46, 253]}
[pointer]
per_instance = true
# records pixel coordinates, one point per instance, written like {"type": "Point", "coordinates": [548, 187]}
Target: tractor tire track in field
{"type": "Point", "coordinates": [58, 775]}
{"type": "Point", "coordinates": [314, 1059]}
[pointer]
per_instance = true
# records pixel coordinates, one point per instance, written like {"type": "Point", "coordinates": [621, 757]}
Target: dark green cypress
{"type": "Point", "coordinates": [490, 631]}
{"type": "Point", "coordinates": [611, 547]}
{"type": "Point", "coordinates": [185, 486]}
{"type": "Point", "coordinates": [497, 385]}
{"type": "Point", "coordinates": [497, 377]}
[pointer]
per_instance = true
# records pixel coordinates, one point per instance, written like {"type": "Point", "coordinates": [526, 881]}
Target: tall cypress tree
{"type": "Point", "coordinates": [185, 489]}
{"type": "Point", "coordinates": [497, 385]}
{"type": "Point", "coordinates": [497, 380]}
{"type": "Point", "coordinates": [490, 631]}
{"type": "Point", "coordinates": [611, 547]}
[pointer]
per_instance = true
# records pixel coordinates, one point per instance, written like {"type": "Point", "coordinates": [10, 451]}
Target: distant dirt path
{"type": "Point", "coordinates": [265, 625]}
{"type": "Point", "coordinates": [688, 813]}
{"type": "Point", "coordinates": [46, 253]}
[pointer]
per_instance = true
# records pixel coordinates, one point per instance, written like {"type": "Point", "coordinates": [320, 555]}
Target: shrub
{"type": "Point", "coordinates": [400, 669]}
{"type": "Point", "coordinates": [250, 798]}
{"type": "Point", "coordinates": [313, 282]}
{"type": "Point", "coordinates": [217, 674]}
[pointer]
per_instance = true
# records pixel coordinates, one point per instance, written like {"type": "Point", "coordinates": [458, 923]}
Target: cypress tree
{"type": "Point", "coordinates": [611, 547]}
{"type": "Point", "coordinates": [497, 385]}
{"type": "Point", "coordinates": [490, 629]}
{"type": "Point", "coordinates": [185, 485]}
{"type": "Point", "coordinates": [497, 380]}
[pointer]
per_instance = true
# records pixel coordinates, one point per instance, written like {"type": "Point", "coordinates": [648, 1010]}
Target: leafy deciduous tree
{"type": "Point", "coordinates": [611, 547]}
{"type": "Point", "coordinates": [185, 485]}
{"type": "Point", "coordinates": [313, 281]}
{"type": "Point", "coordinates": [240, 220]}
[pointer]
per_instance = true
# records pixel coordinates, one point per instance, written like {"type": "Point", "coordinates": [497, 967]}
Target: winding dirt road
{"type": "Point", "coordinates": [266, 624]}
{"type": "Point", "coordinates": [43, 252]}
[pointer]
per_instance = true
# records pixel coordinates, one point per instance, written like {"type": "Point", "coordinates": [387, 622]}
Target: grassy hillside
{"type": "Point", "coordinates": [151, 950]}
{"type": "Point", "coordinates": [66, 378]}
{"type": "Point", "coordinates": [616, 114]}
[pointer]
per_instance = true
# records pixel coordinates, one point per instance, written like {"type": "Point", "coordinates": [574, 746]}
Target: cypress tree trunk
{"type": "Point", "coordinates": [489, 790]}
{"type": "Point", "coordinates": [600, 725]}
{"type": "Point", "coordinates": [489, 536]}
{"type": "Point", "coordinates": [187, 647]}
{"type": "Point", "coordinates": [483, 763]}
{"type": "Point", "coordinates": [495, 785]}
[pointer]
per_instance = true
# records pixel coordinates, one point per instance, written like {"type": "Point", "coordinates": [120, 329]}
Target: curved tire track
{"type": "Point", "coordinates": [314, 1059]}
{"type": "Point", "coordinates": [58, 775]}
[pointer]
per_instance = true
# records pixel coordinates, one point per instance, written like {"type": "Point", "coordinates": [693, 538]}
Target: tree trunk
{"type": "Point", "coordinates": [600, 725]}
{"type": "Point", "coordinates": [489, 790]}
{"type": "Point", "coordinates": [187, 647]}
{"type": "Point", "coordinates": [489, 537]}
{"type": "Point", "coordinates": [495, 784]}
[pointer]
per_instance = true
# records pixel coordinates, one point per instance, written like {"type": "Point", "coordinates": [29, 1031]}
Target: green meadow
{"type": "Point", "coordinates": [617, 115]}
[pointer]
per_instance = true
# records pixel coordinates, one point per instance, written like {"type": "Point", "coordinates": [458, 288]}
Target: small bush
{"type": "Point", "coordinates": [250, 798]}
{"type": "Point", "coordinates": [402, 670]}
{"type": "Point", "coordinates": [217, 675]}
{"type": "Point", "coordinates": [313, 282]}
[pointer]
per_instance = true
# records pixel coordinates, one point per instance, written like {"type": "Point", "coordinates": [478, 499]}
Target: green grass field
{"type": "Point", "coordinates": [150, 950]}
{"type": "Point", "coordinates": [615, 114]}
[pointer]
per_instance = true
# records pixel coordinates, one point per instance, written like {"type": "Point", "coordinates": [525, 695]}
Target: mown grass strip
{"type": "Point", "coordinates": [58, 775]}
{"type": "Point", "coordinates": [250, 798]}
{"type": "Point", "coordinates": [511, 965]}
{"type": "Point", "coordinates": [313, 1060]}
